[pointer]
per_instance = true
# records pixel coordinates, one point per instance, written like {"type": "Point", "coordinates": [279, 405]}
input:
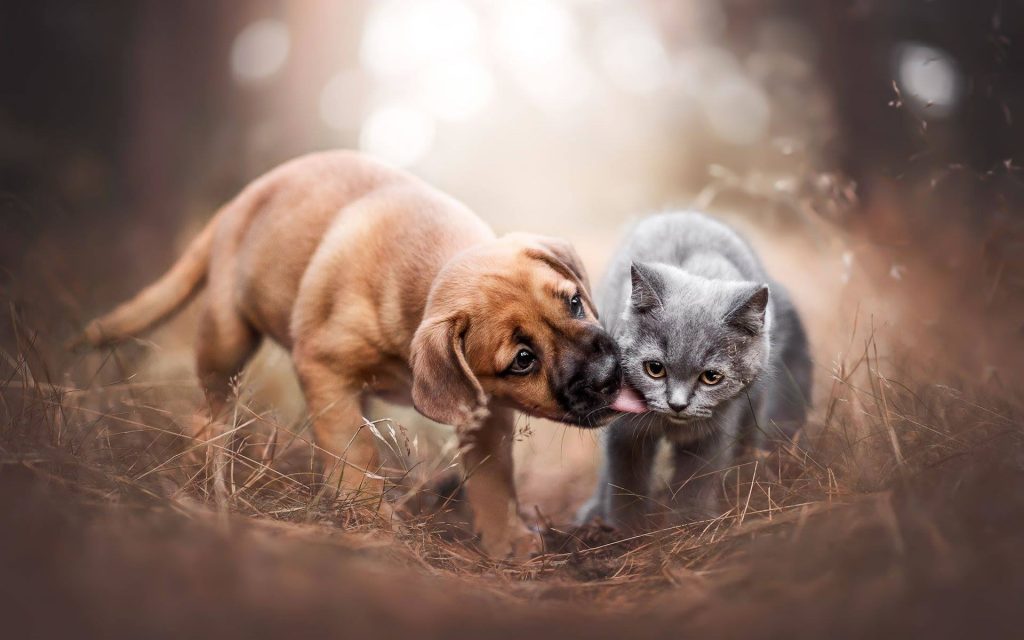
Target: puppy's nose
{"type": "Point", "coordinates": [603, 344]}
{"type": "Point", "coordinates": [678, 407]}
{"type": "Point", "coordinates": [609, 383]}
{"type": "Point", "coordinates": [605, 375]}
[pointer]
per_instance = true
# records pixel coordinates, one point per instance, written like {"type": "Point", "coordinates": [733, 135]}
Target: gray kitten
{"type": "Point", "coordinates": [716, 352]}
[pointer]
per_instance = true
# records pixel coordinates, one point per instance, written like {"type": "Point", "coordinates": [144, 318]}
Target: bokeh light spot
{"type": "Point", "coordinates": [342, 100]}
{"type": "Point", "coordinates": [538, 41]}
{"type": "Point", "coordinates": [398, 134]}
{"type": "Point", "coordinates": [929, 79]}
{"type": "Point", "coordinates": [632, 54]}
{"type": "Point", "coordinates": [737, 110]}
{"type": "Point", "coordinates": [457, 90]}
{"type": "Point", "coordinates": [532, 33]}
{"type": "Point", "coordinates": [259, 51]}
{"type": "Point", "coordinates": [404, 35]}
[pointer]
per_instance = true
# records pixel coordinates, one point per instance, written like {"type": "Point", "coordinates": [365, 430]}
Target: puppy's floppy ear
{"type": "Point", "coordinates": [561, 256]}
{"type": "Point", "coordinates": [748, 314]}
{"type": "Point", "coordinates": [566, 255]}
{"type": "Point", "coordinates": [444, 388]}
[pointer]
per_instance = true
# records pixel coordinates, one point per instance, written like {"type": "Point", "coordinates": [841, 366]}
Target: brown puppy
{"type": "Point", "coordinates": [379, 283]}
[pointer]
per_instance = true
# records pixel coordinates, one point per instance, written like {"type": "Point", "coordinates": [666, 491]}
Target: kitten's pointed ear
{"type": "Point", "coordinates": [748, 315]}
{"type": "Point", "coordinates": [646, 283]}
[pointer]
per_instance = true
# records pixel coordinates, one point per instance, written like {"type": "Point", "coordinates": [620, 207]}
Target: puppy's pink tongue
{"type": "Point", "coordinates": [629, 401]}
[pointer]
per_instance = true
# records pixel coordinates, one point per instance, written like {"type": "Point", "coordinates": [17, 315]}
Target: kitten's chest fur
{"type": "Point", "coordinates": [691, 432]}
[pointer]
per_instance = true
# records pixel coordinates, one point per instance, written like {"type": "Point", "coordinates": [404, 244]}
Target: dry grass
{"type": "Point", "coordinates": [898, 510]}
{"type": "Point", "coordinates": [114, 454]}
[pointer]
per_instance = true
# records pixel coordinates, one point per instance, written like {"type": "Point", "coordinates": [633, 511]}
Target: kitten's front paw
{"type": "Point", "coordinates": [592, 510]}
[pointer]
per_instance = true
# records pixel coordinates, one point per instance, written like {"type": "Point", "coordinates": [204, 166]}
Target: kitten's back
{"type": "Point", "coordinates": [690, 240]}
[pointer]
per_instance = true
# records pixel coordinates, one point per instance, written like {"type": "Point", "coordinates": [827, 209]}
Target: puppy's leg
{"type": "Point", "coordinates": [224, 344]}
{"type": "Point", "coordinates": [345, 448]}
{"type": "Point", "coordinates": [487, 459]}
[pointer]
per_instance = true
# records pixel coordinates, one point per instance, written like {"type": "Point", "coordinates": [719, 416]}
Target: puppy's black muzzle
{"type": "Point", "coordinates": [593, 382]}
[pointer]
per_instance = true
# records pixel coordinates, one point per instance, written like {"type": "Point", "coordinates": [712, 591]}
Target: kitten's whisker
{"type": "Point", "coordinates": [602, 408]}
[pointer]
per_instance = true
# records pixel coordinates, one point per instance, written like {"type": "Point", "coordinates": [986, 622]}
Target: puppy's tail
{"type": "Point", "coordinates": [156, 302]}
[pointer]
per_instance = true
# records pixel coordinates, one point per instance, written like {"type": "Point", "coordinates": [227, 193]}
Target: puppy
{"type": "Point", "coordinates": [379, 284]}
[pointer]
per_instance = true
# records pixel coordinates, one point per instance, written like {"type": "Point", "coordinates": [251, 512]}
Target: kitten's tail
{"type": "Point", "coordinates": [156, 302]}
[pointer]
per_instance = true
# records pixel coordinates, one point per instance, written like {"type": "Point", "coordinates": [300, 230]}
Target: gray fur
{"type": "Point", "coordinates": [688, 291]}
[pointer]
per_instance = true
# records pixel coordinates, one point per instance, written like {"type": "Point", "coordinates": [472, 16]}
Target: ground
{"type": "Point", "coordinates": [899, 509]}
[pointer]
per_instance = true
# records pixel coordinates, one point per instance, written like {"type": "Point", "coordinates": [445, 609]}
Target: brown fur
{"type": "Point", "coordinates": [379, 283]}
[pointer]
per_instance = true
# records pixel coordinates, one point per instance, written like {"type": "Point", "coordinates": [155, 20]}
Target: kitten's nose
{"type": "Point", "coordinates": [678, 407]}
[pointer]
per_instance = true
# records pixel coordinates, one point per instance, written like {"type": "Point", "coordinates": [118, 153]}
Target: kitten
{"type": "Point", "coordinates": [716, 353]}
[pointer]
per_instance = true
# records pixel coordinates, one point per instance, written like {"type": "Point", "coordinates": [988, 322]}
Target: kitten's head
{"type": "Point", "coordinates": [690, 343]}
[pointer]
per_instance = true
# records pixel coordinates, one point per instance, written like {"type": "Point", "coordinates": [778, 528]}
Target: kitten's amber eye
{"type": "Point", "coordinates": [654, 369]}
{"type": "Point", "coordinates": [711, 377]}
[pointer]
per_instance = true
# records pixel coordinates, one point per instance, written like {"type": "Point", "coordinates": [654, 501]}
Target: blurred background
{"type": "Point", "coordinates": [537, 113]}
{"type": "Point", "coordinates": [872, 149]}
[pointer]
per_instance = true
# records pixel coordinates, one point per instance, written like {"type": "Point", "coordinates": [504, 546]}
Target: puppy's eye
{"type": "Point", "coordinates": [576, 306]}
{"type": "Point", "coordinates": [711, 377]}
{"type": "Point", "coordinates": [654, 369]}
{"type": "Point", "coordinates": [524, 362]}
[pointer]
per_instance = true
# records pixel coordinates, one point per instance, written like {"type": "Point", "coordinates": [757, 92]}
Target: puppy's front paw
{"type": "Point", "coordinates": [515, 543]}
{"type": "Point", "coordinates": [525, 545]}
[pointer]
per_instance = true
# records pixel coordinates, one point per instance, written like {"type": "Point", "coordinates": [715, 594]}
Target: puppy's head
{"type": "Point", "coordinates": [512, 322]}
